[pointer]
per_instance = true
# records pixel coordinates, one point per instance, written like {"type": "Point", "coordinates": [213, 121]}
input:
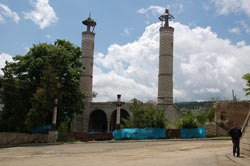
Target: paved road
{"type": "Point", "coordinates": [126, 153]}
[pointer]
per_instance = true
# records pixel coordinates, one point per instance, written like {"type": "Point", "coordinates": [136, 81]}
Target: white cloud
{"type": "Point", "coordinates": [152, 11]}
{"type": "Point", "coordinates": [205, 66]}
{"type": "Point", "coordinates": [48, 36]}
{"type": "Point", "coordinates": [5, 11]}
{"type": "Point", "coordinates": [127, 31]}
{"type": "Point", "coordinates": [156, 10]}
{"type": "Point", "coordinates": [206, 6]}
{"type": "Point", "coordinates": [3, 58]}
{"type": "Point", "coordinates": [245, 26]}
{"type": "Point", "coordinates": [177, 7]}
{"type": "Point", "coordinates": [235, 6]}
{"type": "Point", "coordinates": [159, 10]}
{"type": "Point", "coordinates": [235, 30]}
{"type": "Point", "coordinates": [43, 15]}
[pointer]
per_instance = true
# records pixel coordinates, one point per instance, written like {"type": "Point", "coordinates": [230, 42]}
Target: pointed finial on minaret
{"type": "Point", "coordinates": [89, 23]}
{"type": "Point", "coordinates": [166, 17]}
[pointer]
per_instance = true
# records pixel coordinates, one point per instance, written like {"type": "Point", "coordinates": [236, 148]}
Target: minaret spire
{"type": "Point", "coordinates": [165, 77]}
{"type": "Point", "coordinates": [166, 17]}
{"type": "Point", "coordinates": [88, 42]}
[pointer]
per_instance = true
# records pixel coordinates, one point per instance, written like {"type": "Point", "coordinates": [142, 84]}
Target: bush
{"type": "Point", "coordinates": [194, 120]}
{"type": "Point", "coordinates": [63, 130]}
{"type": "Point", "coordinates": [189, 121]}
{"type": "Point", "coordinates": [149, 116]}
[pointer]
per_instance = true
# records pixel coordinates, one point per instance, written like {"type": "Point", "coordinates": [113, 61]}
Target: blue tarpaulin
{"type": "Point", "coordinates": [139, 134]}
{"type": "Point", "coordinates": [42, 130]}
{"type": "Point", "coordinates": [93, 132]}
{"type": "Point", "coordinates": [193, 133]}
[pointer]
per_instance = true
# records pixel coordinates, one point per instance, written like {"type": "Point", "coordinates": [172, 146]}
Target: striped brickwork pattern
{"type": "Point", "coordinates": [165, 78]}
{"type": "Point", "coordinates": [88, 39]}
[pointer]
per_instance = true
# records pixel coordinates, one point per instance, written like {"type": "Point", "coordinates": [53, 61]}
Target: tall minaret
{"type": "Point", "coordinates": [88, 39]}
{"type": "Point", "coordinates": [165, 77]}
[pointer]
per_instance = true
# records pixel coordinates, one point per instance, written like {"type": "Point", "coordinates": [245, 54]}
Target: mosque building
{"type": "Point", "coordinates": [102, 116]}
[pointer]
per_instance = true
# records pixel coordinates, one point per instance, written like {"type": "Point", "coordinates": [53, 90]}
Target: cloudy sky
{"type": "Point", "coordinates": [211, 42]}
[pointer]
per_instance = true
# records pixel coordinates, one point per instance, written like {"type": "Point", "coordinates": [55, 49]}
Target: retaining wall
{"type": "Point", "coordinates": [22, 138]}
{"type": "Point", "coordinates": [245, 140]}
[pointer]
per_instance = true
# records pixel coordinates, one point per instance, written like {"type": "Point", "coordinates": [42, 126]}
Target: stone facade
{"type": "Point", "coordinates": [88, 39]}
{"type": "Point", "coordinates": [213, 130]}
{"type": "Point", "coordinates": [245, 140]}
{"type": "Point", "coordinates": [165, 77]}
{"type": "Point", "coordinates": [101, 116]}
{"type": "Point", "coordinates": [230, 112]}
{"type": "Point", "coordinates": [106, 110]}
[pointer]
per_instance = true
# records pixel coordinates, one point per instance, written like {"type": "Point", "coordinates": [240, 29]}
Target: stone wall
{"type": "Point", "coordinates": [80, 123]}
{"type": "Point", "coordinates": [245, 140]}
{"type": "Point", "coordinates": [22, 138]}
{"type": "Point", "coordinates": [220, 131]}
{"type": "Point", "coordinates": [229, 112]}
{"type": "Point", "coordinates": [213, 130]}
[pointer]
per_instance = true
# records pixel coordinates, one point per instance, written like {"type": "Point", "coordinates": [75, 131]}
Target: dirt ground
{"type": "Point", "coordinates": [125, 153]}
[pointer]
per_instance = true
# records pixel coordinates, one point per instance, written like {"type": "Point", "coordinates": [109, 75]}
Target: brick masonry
{"type": "Point", "coordinates": [245, 140]}
{"type": "Point", "coordinates": [165, 77]}
{"type": "Point", "coordinates": [88, 39]}
{"type": "Point", "coordinates": [236, 112]}
{"type": "Point", "coordinates": [232, 111]}
{"type": "Point", "coordinates": [22, 138]}
{"type": "Point", "coordinates": [213, 130]}
{"type": "Point", "coordinates": [81, 123]}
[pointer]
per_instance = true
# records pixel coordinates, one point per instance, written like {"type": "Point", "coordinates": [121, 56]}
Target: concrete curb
{"type": "Point", "coordinates": [242, 160]}
{"type": "Point", "coordinates": [156, 140]}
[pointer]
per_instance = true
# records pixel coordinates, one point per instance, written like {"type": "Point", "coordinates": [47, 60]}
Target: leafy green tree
{"type": "Point", "coordinates": [189, 121]}
{"type": "Point", "coordinates": [42, 102]}
{"type": "Point", "coordinates": [211, 113]}
{"type": "Point", "coordinates": [145, 116]}
{"type": "Point", "coordinates": [13, 114]}
{"type": "Point", "coordinates": [193, 119]}
{"type": "Point", "coordinates": [202, 117]}
{"type": "Point", "coordinates": [246, 77]}
{"type": "Point", "coordinates": [34, 90]}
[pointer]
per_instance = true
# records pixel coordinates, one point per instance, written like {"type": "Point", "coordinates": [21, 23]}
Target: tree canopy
{"type": "Point", "coordinates": [246, 77]}
{"type": "Point", "coordinates": [33, 81]}
{"type": "Point", "coordinates": [145, 116]}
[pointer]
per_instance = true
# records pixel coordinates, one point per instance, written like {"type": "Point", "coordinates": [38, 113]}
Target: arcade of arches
{"type": "Point", "coordinates": [99, 122]}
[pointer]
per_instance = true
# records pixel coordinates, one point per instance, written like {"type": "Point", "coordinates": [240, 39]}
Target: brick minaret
{"type": "Point", "coordinates": [165, 77]}
{"type": "Point", "coordinates": [88, 39]}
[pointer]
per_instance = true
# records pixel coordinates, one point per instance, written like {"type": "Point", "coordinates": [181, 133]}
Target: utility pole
{"type": "Point", "coordinates": [234, 97]}
{"type": "Point", "coordinates": [54, 115]}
